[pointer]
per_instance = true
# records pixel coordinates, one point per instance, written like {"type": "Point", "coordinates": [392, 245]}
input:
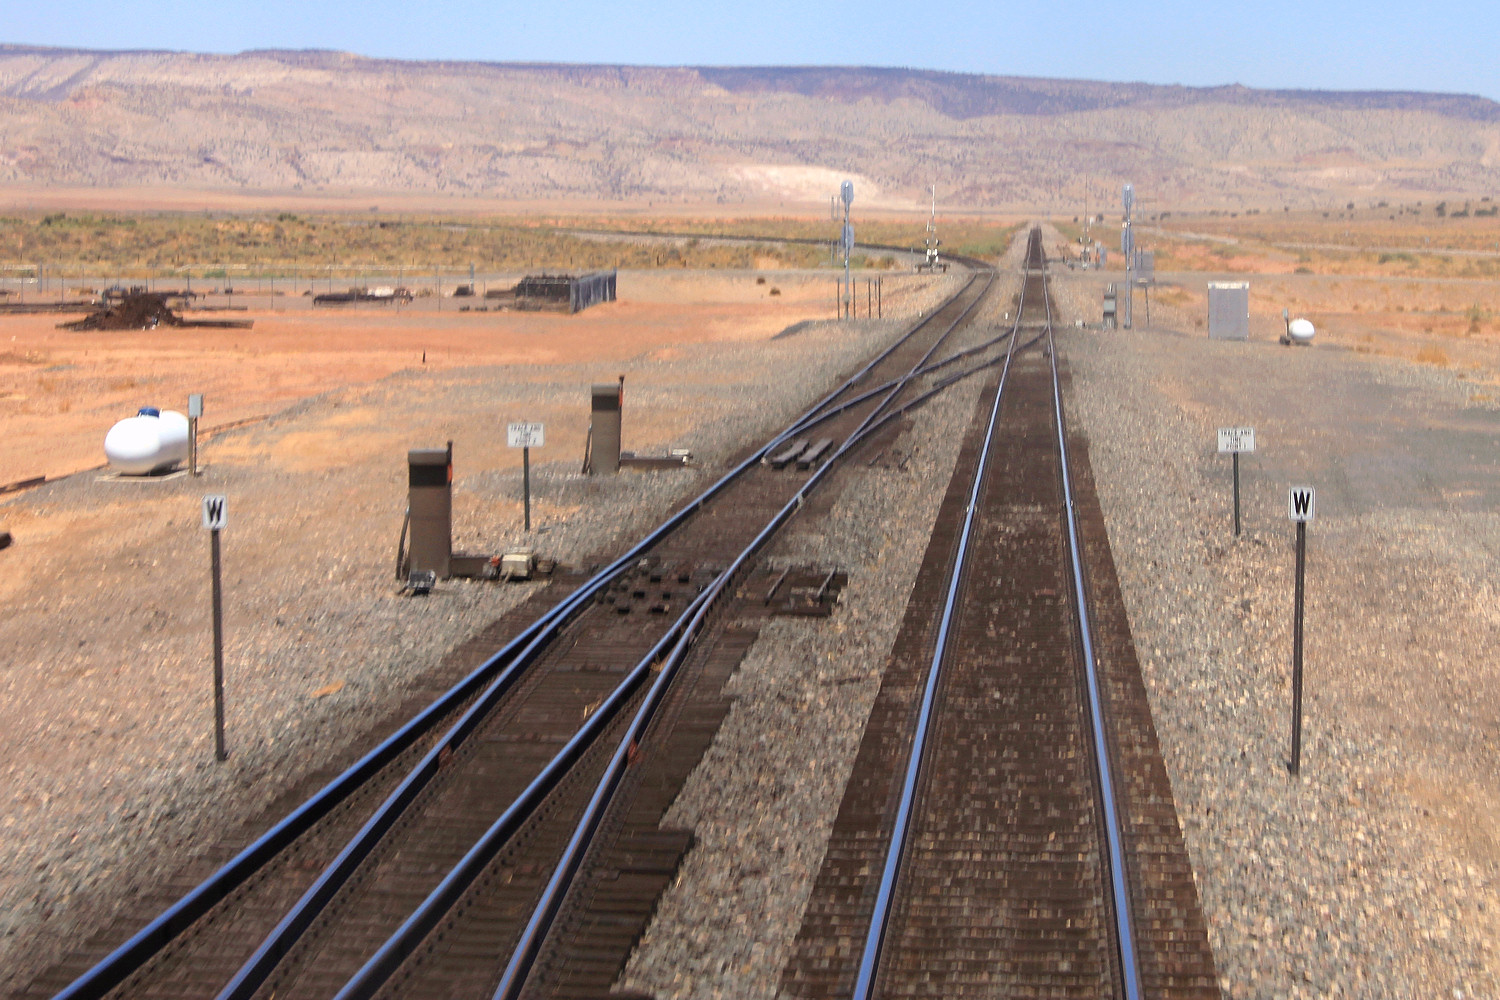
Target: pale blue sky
{"type": "Point", "coordinates": [1374, 45]}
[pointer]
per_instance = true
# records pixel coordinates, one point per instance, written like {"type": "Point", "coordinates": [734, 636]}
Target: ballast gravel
{"type": "Point", "coordinates": [1373, 872]}
{"type": "Point", "coordinates": [107, 773]}
{"type": "Point", "coordinates": [763, 801]}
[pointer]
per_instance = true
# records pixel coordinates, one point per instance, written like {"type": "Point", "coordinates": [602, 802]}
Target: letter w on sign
{"type": "Point", "coordinates": [215, 512]}
{"type": "Point", "coordinates": [1301, 503]}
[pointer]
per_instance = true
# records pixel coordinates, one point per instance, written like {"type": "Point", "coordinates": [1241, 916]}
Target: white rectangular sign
{"type": "Point", "coordinates": [215, 512]}
{"type": "Point", "coordinates": [1236, 439]}
{"type": "Point", "coordinates": [1301, 503]}
{"type": "Point", "coordinates": [525, 435]}
{"type": "Point", "coordinates": [195, 404]}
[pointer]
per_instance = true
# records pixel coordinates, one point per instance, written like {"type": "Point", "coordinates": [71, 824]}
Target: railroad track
{"type": "Point", "coordinates": [1008, 828]}
{"type": "Point", "coordinates": [440, 863]}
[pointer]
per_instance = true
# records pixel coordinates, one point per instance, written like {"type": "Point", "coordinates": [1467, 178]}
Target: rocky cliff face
{"type": "Point", "coordinates": [323, 121]}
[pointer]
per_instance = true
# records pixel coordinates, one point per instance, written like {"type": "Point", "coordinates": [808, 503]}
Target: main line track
{"type": "Point", "coordinates": [1008, 828]}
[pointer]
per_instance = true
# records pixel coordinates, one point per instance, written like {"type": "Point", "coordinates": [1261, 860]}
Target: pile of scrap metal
{"type": "Point", "coordinates": [138, 309]}
{"type": "Point", "coordinates": [381, 295]}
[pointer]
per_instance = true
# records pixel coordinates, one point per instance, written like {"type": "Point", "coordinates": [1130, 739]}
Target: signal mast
{"type": "Point", "coordinates": [932, 263]}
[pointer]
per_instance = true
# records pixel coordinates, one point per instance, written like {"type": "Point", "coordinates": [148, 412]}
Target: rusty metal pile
{"type": "Point", "coordinates": [136, 310]}
{"type": "Point", "coordinates": [139, 309]}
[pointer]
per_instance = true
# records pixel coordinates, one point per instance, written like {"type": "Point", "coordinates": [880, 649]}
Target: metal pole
{"type": "Point", "coordinates": [1296, 764]}
{"type": "Point", "coordinates": [218, 650]}
{"type": "Point", "coordinates": [526, 483]}
{"type": "Point", "coordinates": [193, 445]}
{"type": "Point", "coordinates": [1236, 494]}
{"type": "Point", "coordinates": [848, 288]}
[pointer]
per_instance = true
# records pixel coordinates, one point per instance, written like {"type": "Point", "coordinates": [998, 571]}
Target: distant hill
{"type": "Point", "coordinates": [327, 121]}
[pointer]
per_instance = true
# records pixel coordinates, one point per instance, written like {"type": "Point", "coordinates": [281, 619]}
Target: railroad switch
{"type": "Point", "coordinates": [429, 521]}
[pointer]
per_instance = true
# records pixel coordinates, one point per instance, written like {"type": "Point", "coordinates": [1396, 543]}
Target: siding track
{"type": "Point", "coordinates": [482, 787]}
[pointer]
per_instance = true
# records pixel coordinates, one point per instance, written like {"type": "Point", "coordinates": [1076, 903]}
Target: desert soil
{"type": "Point", "coordinates": [1373, 873]}
{"type": "Point", "coordinates": [107, 773]}
{"type": "Point", "coordinates": [61, 390]}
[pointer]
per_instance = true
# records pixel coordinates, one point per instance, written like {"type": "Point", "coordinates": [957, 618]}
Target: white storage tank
{"type": "Point", "coordinates": [1300, 331]}
{"type": "Point", "coordinates": [151, 441]}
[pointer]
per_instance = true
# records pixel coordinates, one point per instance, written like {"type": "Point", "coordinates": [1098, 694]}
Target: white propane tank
{"type": "Point", "coordinates": [1300, 331]}
{"type": "Point", "coordinates": [151, 441]}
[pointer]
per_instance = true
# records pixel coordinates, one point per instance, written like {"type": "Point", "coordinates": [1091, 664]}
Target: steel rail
{"type": "Point", "coordinates": [402, 943]}
{"type": "Point", "coordinates": [513, 980]}
{"type": "Point", "coordinates": [161, 931]}
{"type": "Point", "coordinates": [1113, 833]}
{"type": "Point", "coordinates": [869, 964]}
{"type": "Point", "coordinates": [296, 922]}
{"type": "Point", "coordinates": [938, 387]}
{"type": "Point", "coordinates": [421, 921]}
{"type": "Point", "coordinates": [818, 414]}
{"type": "Point", "coordinates": [930, 369]}
{"type": "Point", "coordinates": [1124, 931]}
{"type": "Point", "coordinates": [943, 383]}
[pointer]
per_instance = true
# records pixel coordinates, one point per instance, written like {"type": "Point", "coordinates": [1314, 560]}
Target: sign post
{"type": "Point", "coordinates": [195, 410]}
{"type": "Point", "coordinates": [1301, 507]}
{"type": "Point", "coordinates": [526, 437]}
{"type": "Point", "coordinates": [1234, 440]}
{"type": "Point", "coordinates": [214, 518]}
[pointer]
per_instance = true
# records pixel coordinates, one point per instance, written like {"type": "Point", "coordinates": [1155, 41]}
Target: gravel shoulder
{"type": "Point", "coordinates": [1374, 873]}
{"type": "Point", "coordinates": [107, 774]}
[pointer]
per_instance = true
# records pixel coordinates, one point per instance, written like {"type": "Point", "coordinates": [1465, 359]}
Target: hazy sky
{"type": "Point", "coordinates": [1372, 45]}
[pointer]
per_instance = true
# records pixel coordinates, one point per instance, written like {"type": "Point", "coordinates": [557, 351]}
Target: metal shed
{"type": "Point", "coordinates": [1229, 310]}
{"type": "Point", "coordinates": [592, 288]}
